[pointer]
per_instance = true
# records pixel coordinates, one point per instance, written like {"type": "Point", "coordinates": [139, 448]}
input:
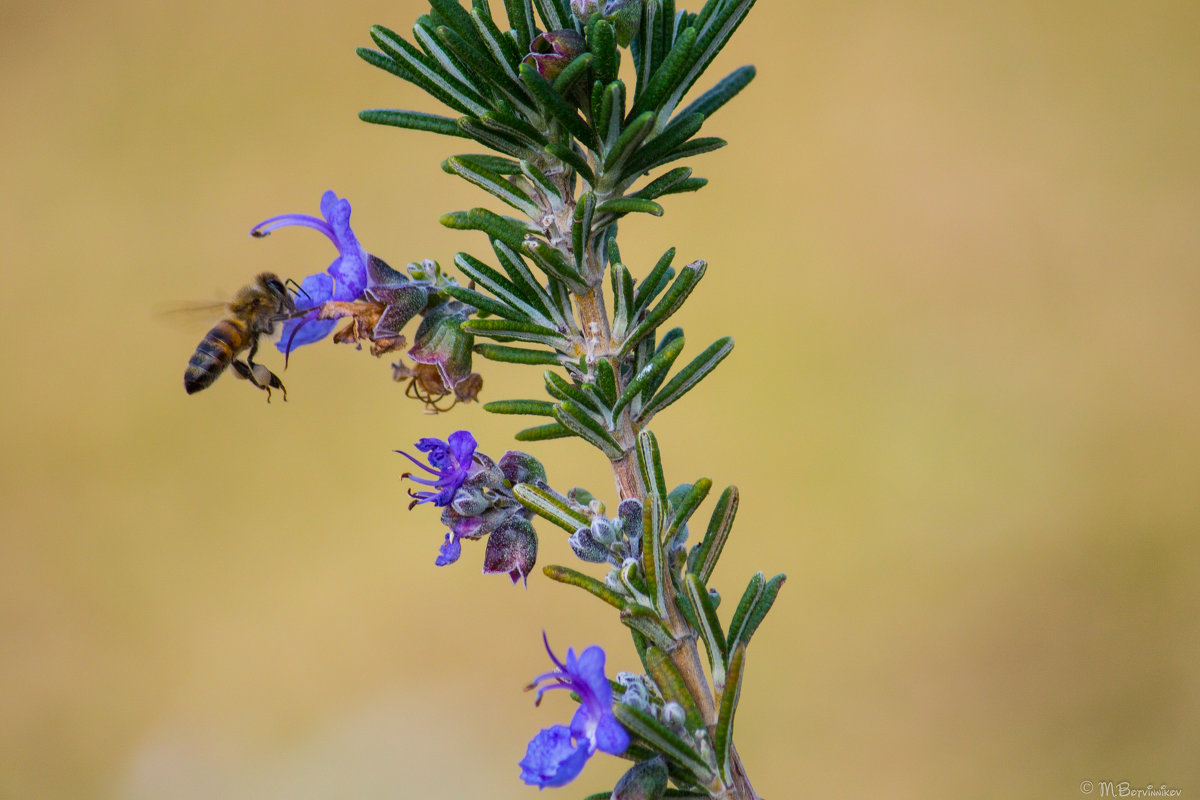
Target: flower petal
{"type": "Point", "coordinates": [449, 552]}
{"type": "Point", "coordinates": [551, 759]}
{"type": "Point", "coordinates": [304, 330]}
{"type": "Point", "coordinates": [610, 736]}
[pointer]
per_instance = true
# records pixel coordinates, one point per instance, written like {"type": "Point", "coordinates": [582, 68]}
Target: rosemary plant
{"type": "Point", "coordinates": [577, 140]}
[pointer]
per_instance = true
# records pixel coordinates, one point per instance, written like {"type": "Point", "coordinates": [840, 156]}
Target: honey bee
{"type": "Point", "coordinates": [253, 312]}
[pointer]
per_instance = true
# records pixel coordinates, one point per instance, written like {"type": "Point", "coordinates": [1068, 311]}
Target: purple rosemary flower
{"type": "Point", "coordinates": [557, 754]}
{"type": "Point", "coordinates": [344, 280]}
{"type": "Point", "coordinates": [450, 464]}
{"type": "Point", "coordinates": [475, 494]}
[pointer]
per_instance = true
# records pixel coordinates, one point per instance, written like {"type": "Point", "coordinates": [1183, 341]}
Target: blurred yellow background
{"type": "Point", "coordinates": [958, 247]}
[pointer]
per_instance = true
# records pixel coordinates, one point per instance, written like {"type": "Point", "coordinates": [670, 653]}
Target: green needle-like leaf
{"type": "Point", "coordinates": [498, 164]}
{"type": "Point", "coordinates": [551, 261]}
{"type": "Point", "coordinates": [429, 74]}
{"type": "Point", "coordinates": [648, 44]}
{"type": "Point", "coordinates": [696, 147]}
{"type": "Point", "coordinates": [495, 185]}
{"type": "Point", "coordinates": [501, 142]}
{"type": "Point", "coordinates": [514, 128]}
{"type": "Point", "coordinates": [659, 364]}
{"type": "Point", "coordinates": [620, 206]}
{"type": "Point", "coordinates": [571, 73]}
{"type": "Point", "coordinates": [723, 735]}
{"type": "Point", "coordinates": [501, 48]}
{"type": "Point", "coordinates": [710, 628]}
{"type": "Point", "coordinates": [688, 277]}
{"type": "Point", "coordinates": [664, 341]}
{"type": "Point", "coordinates": [654, 282]}
{"type": "Point", "coordinates": [581, 228]}
{"type": "Point", "coordinates": [585, 582]}
{"type": "Point", "coordinates": [612, 114]}
{"type": "Point", "coordinates": [665, 741]}
{"type": "Point", "coordinates": [626, 145]}
{"type": "Point", "coordinates": [663, 146]}
{"type": "Point", "coordinates": [427, 37]}
{"type": "Point", "coordinates": [687, 378]}
{"type": "Point", "coordinates": [672, 685]}
{"type": "Point", "coordinates": [505, 330]}
{"type": "Point", "coordinates": [667, 77]}
{"type": "Point", "coordinates": [623, 293]}
{"type": "Point", "coordinates": [538, 178]}
{"type": "Point", "coordinates": [647, 623]}
{"type": "Point", "coordinates": [750, 621]}
{"type": "Point", "coordinates": [653, 557]}
{"type": "Point", "coordinates": [486, 303]}
{"type": "Point", "coordinates": [606, 381]}
{"type": "Point", "coordinates": [715, 31]}
{"type": "Point", "coordinates": [556, 106]}
{"type": "Point", "coordinates": [685, 506]}
{"type": "Point", "coordinates": [412, 120]}
{"type": "Point", "coordinates": [541, 433]}
{"type": "Point", "coordinates": [703, 557]}
{"type": "Point", "coordinates": [507, 292]}
{"type": "Point", "coordinates": [459, 19]}
{"type": "Point", "coordinates": [551, 14]}
{"type": "Point", "coordinates": [754, 590]}
{"type": "Point", "coordinates": [516, 355]}
{"type": "Point", "coordinates": [400, 70]}
{"type": "Point", "coordinates": [494, 225]}
{"type": "Point", "coordinates": [725, 90]}
{"type": "Point", "coordinates": [550, 505]}
{"type": "Point", "coordinates": [650, 464]}
{"type": "Point", "coordinates": [536, 408]}
{"type": "Point", "coordinates": [688, 185]}
{"type": "Point", "coordinates": [519, 273]}
{"type": "Point", "coordinates": [560, 388]}
{"type": "Point", "coordinates": [663, 183]}
{"type": "Point", "coordinates": [520, 19]}
{"type": "Point", "coordinates": [602, 41]}
{"type": "Point", "coordinates": [587, 427]}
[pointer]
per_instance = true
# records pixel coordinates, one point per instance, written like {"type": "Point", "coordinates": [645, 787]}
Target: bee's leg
{"type": "Point", "coordinates": [264, 378]}
{"type": "Point", "coordinates": [259, 375]}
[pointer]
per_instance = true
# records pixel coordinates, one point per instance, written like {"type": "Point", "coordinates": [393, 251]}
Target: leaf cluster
{"type": "Point", "coordinates": [581, 122]}
{"type": "Point", "coordinates": [667, 577]}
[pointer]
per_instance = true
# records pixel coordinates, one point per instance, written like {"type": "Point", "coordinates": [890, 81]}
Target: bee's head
{"type": "Point", "coordinates": [278, 290]}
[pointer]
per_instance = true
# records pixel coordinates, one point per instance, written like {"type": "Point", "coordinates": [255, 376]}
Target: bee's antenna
{"type": "Point", "coordinates": [291, 284]}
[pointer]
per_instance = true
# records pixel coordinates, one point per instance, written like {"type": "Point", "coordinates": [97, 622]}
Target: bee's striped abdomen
{"type": "Point", "coordinates": [214, 354]}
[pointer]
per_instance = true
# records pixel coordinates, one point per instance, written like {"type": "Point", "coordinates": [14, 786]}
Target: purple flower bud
{"type": "Point", "coordinates": [551, 52]}
{"type": "Point", "coordinates": [626, 18]}
{"type": "Point", "coordinates": [521, 467]}
{"type": "Point", "coordinates": [583, 9]}
{"type": "Point", "coordinates": [584, 544]}
{"type": "Point", "coordinates": [511, 549]}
